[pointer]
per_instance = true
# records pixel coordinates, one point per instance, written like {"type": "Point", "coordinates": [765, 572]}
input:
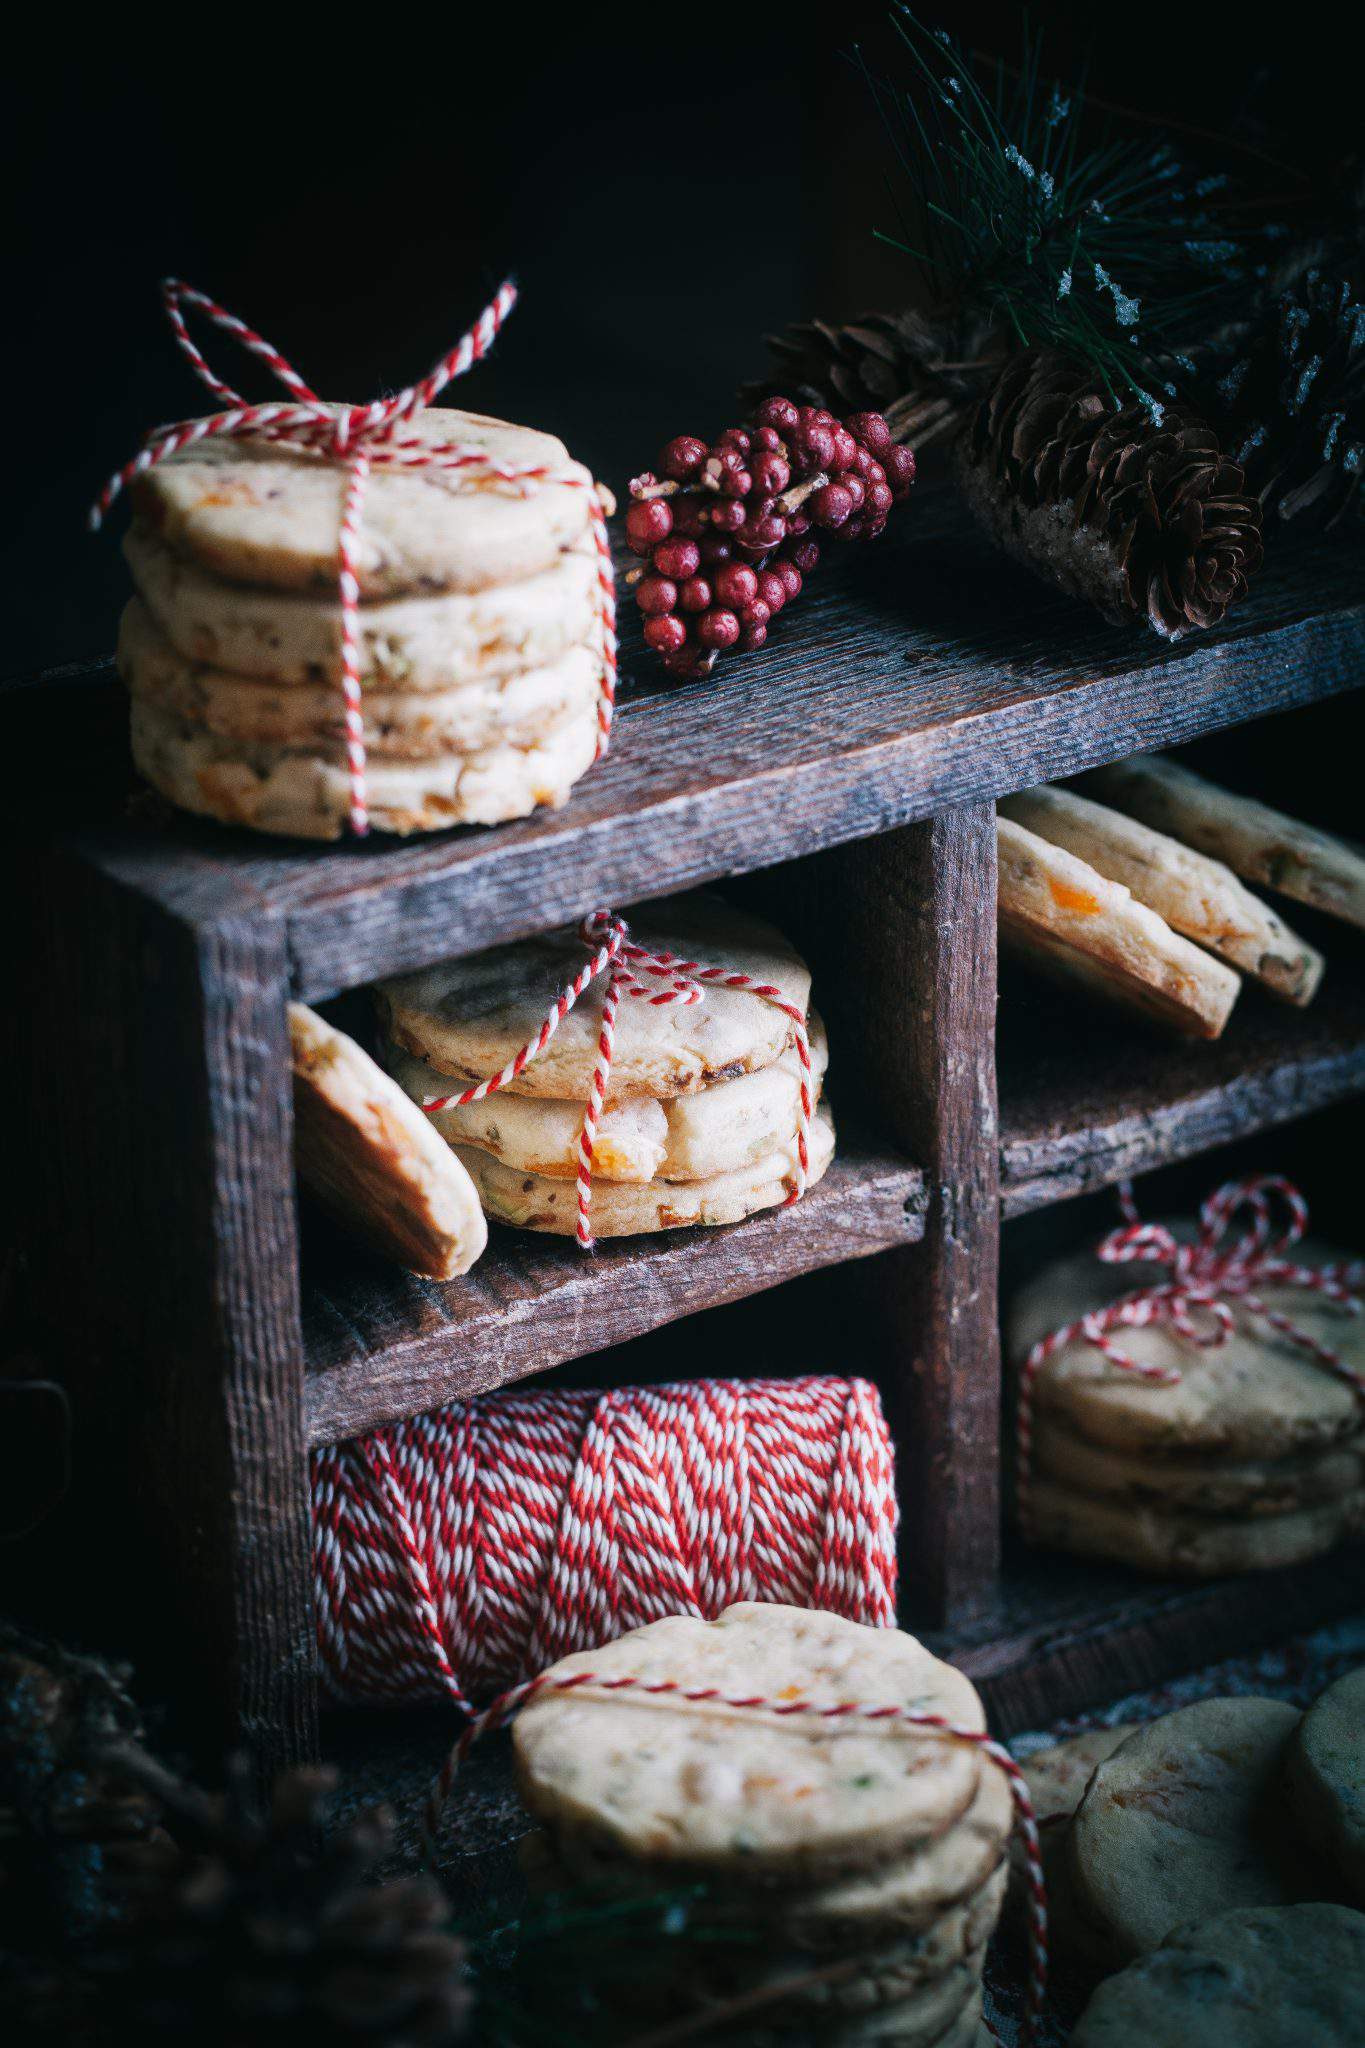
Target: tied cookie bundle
{"type": "Point", "coordinates": [671, 1080]}
{"type": "Point", "coordinates": [842, 1879]}
{"type": "Point", "coordinates": [1214, 1858]}
{"type": "Point", "coordinates": [394, 614]}
{"type": "Point", "coordinates": [1193, 1399]}
{"type": "Point", "coordinates": [1134, 888]}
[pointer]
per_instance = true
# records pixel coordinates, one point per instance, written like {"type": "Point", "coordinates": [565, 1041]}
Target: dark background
{"type": "Point", "coordinates": [666, 183]}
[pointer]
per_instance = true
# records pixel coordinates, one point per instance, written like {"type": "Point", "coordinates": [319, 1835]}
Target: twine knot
{"type": "Point", "coordinates": [1208, 1275]}
{"type": "Point", "coordinates": [360, 438]}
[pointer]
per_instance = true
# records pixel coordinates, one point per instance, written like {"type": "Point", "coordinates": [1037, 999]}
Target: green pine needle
{"type": "Point", "coordinates": [1101, 248]}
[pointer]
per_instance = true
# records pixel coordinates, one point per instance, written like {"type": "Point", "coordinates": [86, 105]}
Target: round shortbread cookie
{"type": "Point", "coordinates": [517, 710]}
{"type": "Point", "coordinates": [621, 1209]}
{"type": "Point", "coordinates": [698, 1786]}
{"type": "Point", "coordinates": [1258, 1977]}
{"type": "Point", "coordinates": [720, 1129]}
{"type": "Point", "coordinates": [1201, 1486]}
{"type": "Point", "coordinates": [409, 643]}
{"type": "Point", "coordinates": [1057, 1777]}
{"type": "Point", "coordinates": [1257, 1396]}
{"type": "Point", "coordinates": [375, 1162]}
{"type": "Point", "coordinates": [1325, 1779]}
{"type": "Point", "coordinates": [257, 512]}
{"type": "Point", "coordinates": [1171, 1540]}
{"type": "Point", "coordinates": [469, 1017]}
{"type": "Point", "coordinates": [302, 795]}
{"type": "Point", "coordinates": [1182, 1821]}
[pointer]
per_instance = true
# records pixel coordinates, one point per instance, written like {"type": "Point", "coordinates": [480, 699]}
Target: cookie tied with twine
{"type": "Point", "coordinates": [398, 435]}
{"type": "Point", "coordinates": [1247, 1357]}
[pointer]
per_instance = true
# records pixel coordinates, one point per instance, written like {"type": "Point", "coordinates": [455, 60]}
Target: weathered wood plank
{"type": "Point", "coordinates": [1086, 1099]}
{"type": "Point", "coordinates": [381, 1345]}
{"type": "Point", "coordinates": [1065, 1635]}
{"type": "Point", "coordinates": [930, 674]}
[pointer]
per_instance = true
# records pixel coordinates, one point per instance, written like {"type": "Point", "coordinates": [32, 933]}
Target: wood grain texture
{"type": "Point", "coordinates": [900, 931]}
{"type": "Point", "coordinates": [160, 1236]}
{"type": "Point", "coordinates": [1064, 1636]}
{"type": "Point", "coordinates": [1087, 1099]}
{"type": "Point", "coordinates": [928, 674]}
{"type": "Point", "coordinates": [382, 1345]}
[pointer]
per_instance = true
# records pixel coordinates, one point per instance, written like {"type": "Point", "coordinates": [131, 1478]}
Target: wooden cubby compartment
{"type": "Point", "coordinates": [846, 776]}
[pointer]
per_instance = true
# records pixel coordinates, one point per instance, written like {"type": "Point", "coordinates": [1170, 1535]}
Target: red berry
{"type": "Point", "coordinates": [736, 585]}
{"type": "Point", "coordinates": [683, 663]}
{"type": "Point", "coordinates": [771, 474]}
{"type": "Point", "coordinates": [899, 463]}
{"type": "Point", "coordinates": [717, 628]}
{"type": "Point", "coordinates": [880, 499]}
{"type": "Point", "coordinates": [656, 595]}
{"type": "Point", "coordinates": [806, 555]}
{"type": "Point", "coordinates": [849, 481]}
{"type": "Point", "coordinates": [678, 559]}
{"type": "Point", "coordinates": [790, 577]}
{"type": "Point", "coordinates": [694, 595]}
{"type": "Point", "coordinates": [755, 614]}
{"type": "Point", "coordinates": [735, 437]}
{"type": "Point", "coordinates": [871, 429]}
{"type": "Point", "coordinates": [727, 514]}
{"type": "Point", "coordinates": [762, 534]}
{"type": "Point", "coordinates": [736, 483]}
{"type": "Point", "coordinates": [845, 448]}
{"type": "Point", "coordinates": [767, 438]}
{"type": "Point", "coordinates": [688, 516]}
{"type": "Point", "coordinates": [716, 549]}
{"type": "Point", "coordinates": [665, 634]}
{"type": "Point", "coordinates": [779, 413]}
{"type": "Point", "coordinates": [817, 444]}
{"type": "Point", "coordinates": [772, 590]}
{"type": "Point", "coordinates": [647, 524]}
{"type": "Point", "coordinates": [752, 637]}
{"type": "Point", "coordinates": [683, 457]}
{"type": "Point", "coordinates": [831, 505]}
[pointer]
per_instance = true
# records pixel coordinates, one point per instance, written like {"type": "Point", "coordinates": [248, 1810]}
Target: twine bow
{"type": "Point", "coordinates": [361, 438]}
{"type": "Point", "coordinates": [634, 970]}
{"type": "Point", "coordinates": [1208, 1275]}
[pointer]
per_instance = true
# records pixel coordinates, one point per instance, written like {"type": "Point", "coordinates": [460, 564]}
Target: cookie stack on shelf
{"type": "Point", "coordinates": [1254, 1456]}
{"type": "Point", "coordinates": [480, 649]}
{"type": "Point", "coordinates": [843, 1881]}
{"type": "Point", "coordinates": [701, 1116]}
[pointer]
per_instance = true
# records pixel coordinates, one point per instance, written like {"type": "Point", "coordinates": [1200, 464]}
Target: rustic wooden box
{"type": "Point", "coordinates": [849, 772]}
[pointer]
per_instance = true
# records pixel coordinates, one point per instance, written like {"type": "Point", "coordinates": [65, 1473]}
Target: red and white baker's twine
{"type": "Point", "coordinates": [625, 965]}
{"type": "Point", "coordinates": [363, 438]}
{"type": "Point", "coordinates": [466, 1549]}
{"type": "Point", "coordinates": [855, 1714]}
{"type": "Point", "coordinates": [1207, 1276]}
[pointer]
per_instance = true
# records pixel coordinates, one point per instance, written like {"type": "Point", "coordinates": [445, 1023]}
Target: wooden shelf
{"type": "Point", "coordinates": [1065, 1635]}
{"type": "Point", "coordinates": [380, 1345]}
{"type": "Point", "coordinates": [1087, 1099]}
{"type": "Point", "coordinates": [926, 675]}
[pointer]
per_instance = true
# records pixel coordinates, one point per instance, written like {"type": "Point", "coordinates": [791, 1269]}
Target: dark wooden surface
{"type": "Point", "coordinates": [1087, 1097]}
{"type": "Point", "coordinates": [154, 1152]}
{"type": "Point", "coordinates": [1065, 1635]}
{"type": "Point", "coordinates": [381, 1345]}
{"type": "Point", "coordinates": [928, 674]}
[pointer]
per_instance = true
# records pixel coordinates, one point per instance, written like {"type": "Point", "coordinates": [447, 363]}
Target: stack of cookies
{"type": "Point", "coordinates": [480, 648]}
{"type": "Point", "coordinates": [701, 1117]}
{"type": "Point", "coordinates": [846, 1878]}
{"type": "Point", "coordinates": [1254, 1457]}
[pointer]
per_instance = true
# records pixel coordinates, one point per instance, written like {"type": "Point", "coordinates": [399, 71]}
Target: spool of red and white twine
{"type": "Point", "coordinates": [363, 438]}
{"type": "Point", "coordinates": [1208, 1275]}
{"type": "Point", "coordinates": [626, 966]}
{"type": "Point", "coordinates": [468, 1549]}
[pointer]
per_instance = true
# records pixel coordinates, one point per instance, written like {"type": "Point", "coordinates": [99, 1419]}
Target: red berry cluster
{"type": "Point", "coordinates": [729, 530]}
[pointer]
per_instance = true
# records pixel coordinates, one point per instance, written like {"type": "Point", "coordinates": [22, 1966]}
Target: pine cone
{"type": "Point", "coordinates": [270, 1929]}
{"type": "Point", "coordinates": [76, 1838]}
{"type": "Point", "coordinates": [1289, 400]}
{"type": "Point", "coordinates": [891, 363]}
{"type": "Point", "coordinates": [1134, 515]}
